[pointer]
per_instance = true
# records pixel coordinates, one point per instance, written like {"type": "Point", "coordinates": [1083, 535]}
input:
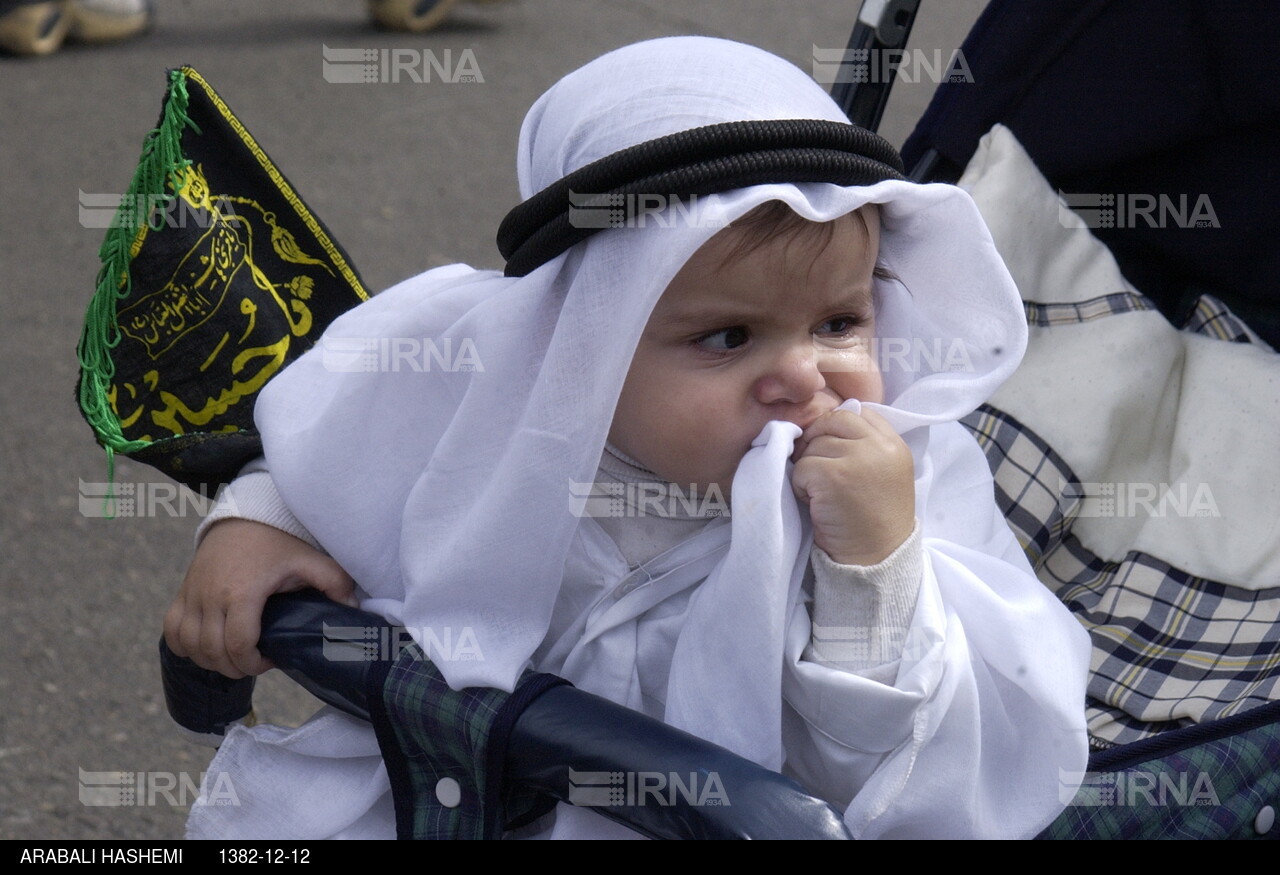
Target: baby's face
{"type": "Point", "coordinates": [781, 331]}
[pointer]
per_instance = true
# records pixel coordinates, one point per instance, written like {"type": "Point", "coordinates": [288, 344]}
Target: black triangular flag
{"type": "Point", "coordinates": [215, 275]}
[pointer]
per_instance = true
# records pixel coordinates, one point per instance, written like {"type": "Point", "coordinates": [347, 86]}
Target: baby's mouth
{"type": "Point", "coordinates": [823, 403]}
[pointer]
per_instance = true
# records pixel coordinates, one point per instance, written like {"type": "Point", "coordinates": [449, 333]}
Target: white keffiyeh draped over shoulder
{"type": "Point", "coordinates": [447, 494]}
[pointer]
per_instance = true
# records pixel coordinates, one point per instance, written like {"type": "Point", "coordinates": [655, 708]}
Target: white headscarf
{"type": "Point", "coordinates": [445, 492]}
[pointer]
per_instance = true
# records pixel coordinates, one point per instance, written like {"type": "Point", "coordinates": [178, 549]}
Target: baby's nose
{"type": "Point", "coordinates": [794, 375]}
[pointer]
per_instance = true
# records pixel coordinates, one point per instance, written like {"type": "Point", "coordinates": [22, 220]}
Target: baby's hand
{"type": "Point", "coordinates": [217, 615]}
{"type": "Point", "coordinates": [857, 476]}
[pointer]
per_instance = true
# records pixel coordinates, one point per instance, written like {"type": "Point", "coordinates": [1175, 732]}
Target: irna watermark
{"type": "Point", "coordinates": [386, 643]}
{"type": "Point", "coordinates": [142, 499]}
{"type": "Point", "coordinates": [1129, 210]}
{"type": "Point", "coordinates": [646, 499]}
{"type": "Point", "coordinates": [155, 211]}
{"type": "Point", "coordinates": [1128, 789]}
{"type": "Point", "coordinates": [641, 210]}
{"type": "Point", "coordinates": [610, 789]}
{"type": "Point", "coordinates": [393, 65]}
{"type": "Point", "coordinates": [147, 789]}
{"type": "Point", "coordinates": [879, 66]}
{"type": "Point", "coordinates": [1121, 499]}
{"type": "Point", "coordinates": [399, 354]}
{"type": "Point", "coordinates": [859, 647]}
{"type": "Point", "coordinates": [909, 355]}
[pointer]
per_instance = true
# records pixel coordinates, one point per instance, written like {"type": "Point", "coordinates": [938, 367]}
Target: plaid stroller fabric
{"type": "Point", "coordinates": [1163, 639]}
{"type": "Point", "coordinates": [444, 750]}
{"type": "Point", "coordinates": [1217, 781]}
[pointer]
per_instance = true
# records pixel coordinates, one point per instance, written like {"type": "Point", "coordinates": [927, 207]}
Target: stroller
{"type": "Point", "coordinates": [513, 753]}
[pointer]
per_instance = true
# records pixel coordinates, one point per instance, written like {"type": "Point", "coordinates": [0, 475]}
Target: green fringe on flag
{"type": "Point", "coordinates": [157, 170]}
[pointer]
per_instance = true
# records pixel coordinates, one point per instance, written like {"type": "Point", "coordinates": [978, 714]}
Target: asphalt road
{"type": "Point", "coordinates": [407, 175]}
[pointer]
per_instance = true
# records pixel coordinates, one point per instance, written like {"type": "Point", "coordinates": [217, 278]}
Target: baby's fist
{"type": "Point", "coordinates": [858, 478]}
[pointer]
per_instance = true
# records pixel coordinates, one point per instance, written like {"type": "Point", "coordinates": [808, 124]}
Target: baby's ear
{"type": "Point", "coordinates": [867, 217]}
{"type": "Point", "coordinates": [870, 214]}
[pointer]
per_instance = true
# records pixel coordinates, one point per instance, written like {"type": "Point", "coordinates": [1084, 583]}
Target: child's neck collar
{"type": "Point", "coordinates": [618, 464]}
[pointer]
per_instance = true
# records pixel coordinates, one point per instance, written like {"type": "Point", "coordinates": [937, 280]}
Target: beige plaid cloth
{"type": "Point", "coordinates": [1169, 648]}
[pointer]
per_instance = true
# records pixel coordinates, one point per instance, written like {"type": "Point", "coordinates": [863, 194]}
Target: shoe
{"type": "Point", "coordinates": [33, 28]}
{"type": "Point", "coordinates": [106, 21]}
{"type": "Point", "coordinates": [413, 16]}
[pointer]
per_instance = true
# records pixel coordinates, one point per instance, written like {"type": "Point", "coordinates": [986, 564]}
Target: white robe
{"type": "Point", "coordinates": [954, 738]}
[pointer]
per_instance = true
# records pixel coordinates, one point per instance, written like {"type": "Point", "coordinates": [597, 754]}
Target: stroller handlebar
{"type": "Point", "coordinates": [562, 731]}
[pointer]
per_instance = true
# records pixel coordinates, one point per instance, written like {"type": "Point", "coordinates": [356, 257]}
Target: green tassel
{"type": "Point", "coordinates": [157, 180]}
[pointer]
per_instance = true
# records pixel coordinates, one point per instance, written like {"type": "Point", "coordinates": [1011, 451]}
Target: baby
{"type": "Point", "coordinates": [863, 619]}
{"type": "Point", "coordinates": [778, 330]}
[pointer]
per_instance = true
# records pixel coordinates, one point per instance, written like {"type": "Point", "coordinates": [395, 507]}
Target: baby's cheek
{"type": "Point", "coordinates": [863, 382]}
{"type": "Point", "coordinates": [875, 391]}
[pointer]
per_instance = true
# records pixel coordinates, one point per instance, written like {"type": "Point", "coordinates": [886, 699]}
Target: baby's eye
{"type": "Point", "coordinates": [724, 339]}
{"type": "Point", "coordinates": [841, 326]}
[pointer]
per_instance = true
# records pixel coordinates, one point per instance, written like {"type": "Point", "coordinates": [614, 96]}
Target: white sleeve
{"type": "Point", "coordinates": [253, 496]}
{"type": "Point", "coordinates": [861, 612]}
{"type": "Point", "coordinates": [979, 729]}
